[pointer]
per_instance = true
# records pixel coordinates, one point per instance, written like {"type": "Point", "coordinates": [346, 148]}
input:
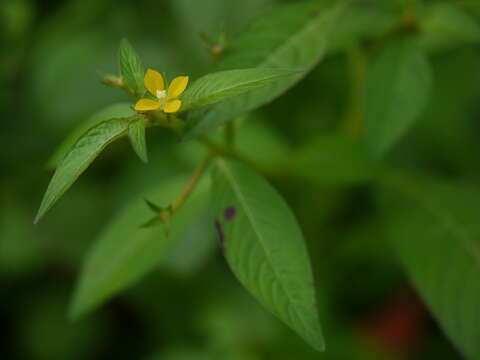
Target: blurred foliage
{"type": "Point", "coordinates": [191, 307]}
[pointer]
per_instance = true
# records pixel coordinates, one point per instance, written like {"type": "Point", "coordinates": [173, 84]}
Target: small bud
{"type": "Point", "coordinates": [112, 80]}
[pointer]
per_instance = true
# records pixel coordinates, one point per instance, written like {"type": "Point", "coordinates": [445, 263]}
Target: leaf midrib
{"type": "Point", "coordinates": [237, 190]}
{"type": "Point", "coordinates": [240, 84]}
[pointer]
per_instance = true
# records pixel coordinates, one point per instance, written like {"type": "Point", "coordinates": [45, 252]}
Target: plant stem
{"type": "Point", "coordinates": [192, 183]}
{"type": "Point", "coordinates": [217, 149]}
{"type": "Point", "coordinates": [357, 64]}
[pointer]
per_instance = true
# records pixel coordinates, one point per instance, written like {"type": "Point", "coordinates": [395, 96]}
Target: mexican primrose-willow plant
{"type": "Point", "coordinates": [258, 234]}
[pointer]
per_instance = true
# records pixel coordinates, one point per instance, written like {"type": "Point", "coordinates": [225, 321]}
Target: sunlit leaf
{"type": "Point", "coordinates": [264, 247]}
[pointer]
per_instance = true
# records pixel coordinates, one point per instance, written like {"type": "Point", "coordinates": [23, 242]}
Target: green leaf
{"type": "Point", "coordinates": [79, 157]}
{"type": "Point", "coordinates": [291, 36]}
{"type": "Point", "coordinates": [446, 26]}
{"type": "Point", "coordinates": [123, 252]}
{"type": "Point", "coordinates": [335, 158]}
{"type": "Point", "coordinates": [112, 111]}
{"type": "Point", "coordinates": [435, 229]}
{"type": "Point", "coordinates": [153, 207]}
{"type": "Point", "coordinates": [397, 90]}
{"type": "Point", "coordinates": [136, 133]}
{"type": "Point", "coordinates": [223, 85]}
{"type": "Point", "coordinates": [196, 247]}
{"type": "Point", "coordinates": [264, 247]}
{"type": "Point", "coordinates": [358, 22]}
{"type": "Point", "coordinates": [131, 68]}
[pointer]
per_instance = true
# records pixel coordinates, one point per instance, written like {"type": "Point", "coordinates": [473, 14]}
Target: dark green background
{"type": "Point", "coordinates": [50, 54]}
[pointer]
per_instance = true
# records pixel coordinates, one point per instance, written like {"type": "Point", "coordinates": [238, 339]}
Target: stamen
{"type": "Point", "coordinates": [161, 94]}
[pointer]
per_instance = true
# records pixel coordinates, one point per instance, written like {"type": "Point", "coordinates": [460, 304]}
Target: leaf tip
{"type": "Point", "coordinates": [40, 213]}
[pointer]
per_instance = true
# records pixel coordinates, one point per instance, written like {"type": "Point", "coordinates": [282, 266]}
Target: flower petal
{"type": "Point", "coordinates": [172, 106]}
{"type": "Point", "coordinates": [146, 104]}
{"type": "Point", "coordinates": [177, 87]}
{"type": "Point", "coordinates": [153, 81]}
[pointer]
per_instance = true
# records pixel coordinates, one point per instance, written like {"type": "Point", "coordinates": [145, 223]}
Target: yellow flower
{"type": "Point", "coordinates": [165, 99]}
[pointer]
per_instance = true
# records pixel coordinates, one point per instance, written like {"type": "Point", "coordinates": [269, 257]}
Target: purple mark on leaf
{"type": "Point", "coordinates": [221, 234]}
{"type": "Point", "coordinates": [230, 213]}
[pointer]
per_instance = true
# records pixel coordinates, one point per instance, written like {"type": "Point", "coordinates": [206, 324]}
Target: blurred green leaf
{"type": "Point", "coordinates": [291, 36]}
{"type": "Point", "coordinates": [124, 252]}
{"type": "Point", "coordinates": [111, 111]}
{"type": "Point", "coordinates": [265, 248]}
{"type": "Point", "coordinates": [335, 158]}
{"type": "Point", "coordinates": [131, 68]}
{"type": "Point", "coordinates": [435, 229]}
{"type": "Point", "coordinates": [358, 22]}
{"type": "Point", "coordinates": [79, 157]}
{"type": "Point", "coordinates": [136, 133]}
{"type": "Point", "coordinates": [223, 85]}
{"type": "Point", "coordinates": [398, 86]}
{"type": "Point", "coordinates": [196, 247]}
{"type": "Point", "coordinates": [445, 26]}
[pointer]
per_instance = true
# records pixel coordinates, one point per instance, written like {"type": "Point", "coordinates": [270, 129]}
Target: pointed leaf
{"type": "Point", "coordinates": [112, 111]}
{"type": "Point", "coordinates": [154, 207]}
{"type": "Point", "coordinates": [397, 90]}
{"type": "Point", "coordinates": [124, 252]}
{"type": "Point", "coordinates": [434, 227]}
{"type": "Point", "coordinates": [136, 133]}
{"type": "Point", "coordinates": [79, 157]}
{"type": "Point", "coordinates": [223, 85]}
{"type": "Point", "coordinates": [131, 68]}
{"type": "Point", "coordinates": [264, 247]}
{"type": "Point", "coordinates": [291, 36]}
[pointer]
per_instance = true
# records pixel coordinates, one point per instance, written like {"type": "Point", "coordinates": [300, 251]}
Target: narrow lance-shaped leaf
{"type": "Point", "coordinates": [291, 36]}
{"type": "Point", "coordinates": [434, 227]}
{"type": "Point", "coordinates": [124, 251]}
{"type": "Point", "coordinates": [131, 68]}
{"type": "Point", "coordinates": [112, 111]}
{"type": "Point", "coordinates": [264, 247]}
{"type": "Point", "coordinates": [136, 133]}
{"type": "Point", "coordinates": [397, 90]}
{"type": "Point", "coordinates": [219, 86]}
{"type": "Point", "coordinates": [80, 156]}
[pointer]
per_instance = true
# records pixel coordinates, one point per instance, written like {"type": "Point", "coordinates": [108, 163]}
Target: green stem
{"type": "Point", "coordinates": [357, 65]}
{"type": "Point", "coordinates": [217, 149]}
{"type": "Point", "coordinates": [192, 183]}
{"type": "Point", "coordinates": [221, 150]}
{"type": "Point", "coordinates": [168, 121]}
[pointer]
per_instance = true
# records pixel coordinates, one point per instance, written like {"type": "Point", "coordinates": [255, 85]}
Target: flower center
{"type": "Point", "coordinates": [161, 94]}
